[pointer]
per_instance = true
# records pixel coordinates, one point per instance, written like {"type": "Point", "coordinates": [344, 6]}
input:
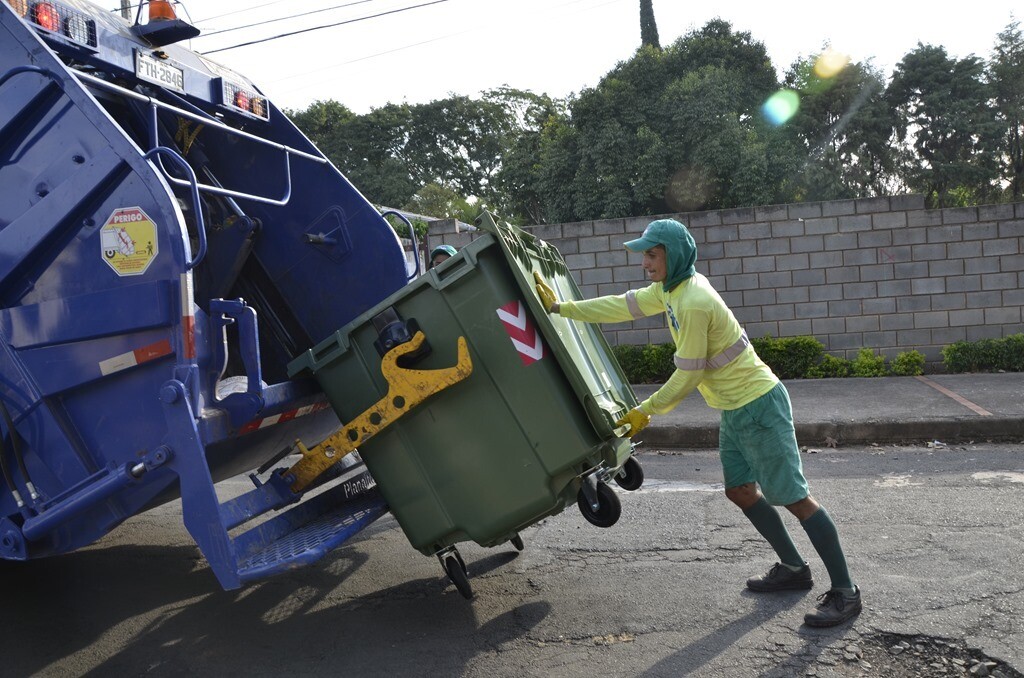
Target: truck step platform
{"type": "Point", "coordinates": [308, 531]}
{"type": "Point", "coordinates": [314, 540]}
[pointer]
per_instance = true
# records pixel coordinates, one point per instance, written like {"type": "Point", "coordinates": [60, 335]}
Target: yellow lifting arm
{"type": "Point", "coordinates": [407, 388]}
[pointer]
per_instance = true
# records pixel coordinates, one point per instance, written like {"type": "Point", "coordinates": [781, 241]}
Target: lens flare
{"type": "Point", "coordinates": [829, 63]}
{"type": "Point", "coordinates": [781, 106]}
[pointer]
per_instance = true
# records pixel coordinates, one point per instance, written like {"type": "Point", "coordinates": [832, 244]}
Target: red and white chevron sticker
{"type": "Point", "coordinates": [524, 335]}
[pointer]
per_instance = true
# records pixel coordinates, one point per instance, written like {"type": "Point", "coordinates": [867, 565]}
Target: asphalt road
{"type": "Point", "coordinates": [934, 538]}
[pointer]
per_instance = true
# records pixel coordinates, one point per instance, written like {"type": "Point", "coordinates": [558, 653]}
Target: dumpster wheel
{"type": "Point", "coordinates": [517, 541]}
{"type": "Point", "coordinates": [608, 507]}
{"type": "Point", "coordinates": [631, 475]}
{"type": "Point", "coordinates": [456, 570]}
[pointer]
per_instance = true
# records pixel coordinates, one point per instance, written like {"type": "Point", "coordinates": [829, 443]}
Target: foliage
{"type": "Point", "coordinates": [985, 355]}
{"type": "Point", "coordinates": [648, 27]}
{"type": "Point", "coordinates": [441, 202]}
{"type": "Point", "coordinates": [1006, 75]}
{"type": "Point", "coordinates": [668, 130]}
{"type": "Point", "coordinates": [867, 364]}
{"type": "Point", "coordinates": [830, 367]}
{"type": "Point", "coordinates": [393, 152]}
{"type": "Point", "coordinates": [419, 226]}
{"type": "Point", "coordinates": [524, 168]}
{"type": "Point", "coordinates": [944, 113]}
{"type": "Point", "coordinates": [680, 129]}
{"type": "Point", "coordinates": [907, 364]}
{"type": "Point", "coordinates": [789, 357]}
{"type": "Point", "coordinates": [845, 128]}
{"type": "Point", "coordinates": [647, 364]}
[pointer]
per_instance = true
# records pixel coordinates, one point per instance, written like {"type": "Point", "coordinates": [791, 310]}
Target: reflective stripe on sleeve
{"type": "Point", "coordinates": [689, 364]}
{"type": "Point", "coordinates": [731, 353]}
{"type": "Point", "coordinates": [720, 360]}
{"type": "Point", "coordinates": [633, 305]}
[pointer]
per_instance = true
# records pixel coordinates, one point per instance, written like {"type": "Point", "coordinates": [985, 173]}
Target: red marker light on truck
{"type": "Point", "coordinates": [45, 14]}
{"type": "Point", "coordinates": [240, 98]}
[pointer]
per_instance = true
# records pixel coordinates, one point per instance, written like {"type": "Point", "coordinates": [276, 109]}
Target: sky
{"type": "Point", "coordinates": [419, 54]}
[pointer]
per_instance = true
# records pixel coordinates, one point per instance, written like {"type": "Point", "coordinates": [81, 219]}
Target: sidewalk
{"type": "Point", "coordinates": [940, 407]}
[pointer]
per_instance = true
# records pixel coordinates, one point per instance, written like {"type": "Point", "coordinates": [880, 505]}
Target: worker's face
{"type": "Point", "coordinates": [438, 258]}
{"type": "Point", "coordinates": [656, 263]}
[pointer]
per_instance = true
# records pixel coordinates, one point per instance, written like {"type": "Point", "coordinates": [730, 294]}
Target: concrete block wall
{"type": "Point", "coordinates": [882, 273]}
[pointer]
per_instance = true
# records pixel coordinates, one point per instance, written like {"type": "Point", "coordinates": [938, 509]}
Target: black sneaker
{"type": "Point", "coordinates": [781, 578]}
{"type": "Point", "coordinates": [835, 608]}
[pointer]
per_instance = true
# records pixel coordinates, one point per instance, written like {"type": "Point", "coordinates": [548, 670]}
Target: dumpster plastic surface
{"type": "Point", "coordinates": [509, 445]}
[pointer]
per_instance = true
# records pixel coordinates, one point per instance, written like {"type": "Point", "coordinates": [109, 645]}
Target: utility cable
{"type": "Point", "coordinates": [239, 11]}
{"type": "Point", "coordinates": [316, 28]}
{"type": "Point", "coordinates": [417, 44]}
{"type": "Point", "coordinates": [283, 18]}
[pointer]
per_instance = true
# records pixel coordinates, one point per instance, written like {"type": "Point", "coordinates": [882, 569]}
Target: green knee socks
{"type": "Point", "coordinates": [769, 523]}
{"type": "Point", "coordinates": [825, 539]}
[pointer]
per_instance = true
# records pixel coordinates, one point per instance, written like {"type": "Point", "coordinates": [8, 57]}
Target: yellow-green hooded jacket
{"type": "Point", "coordinates": [712, 352]}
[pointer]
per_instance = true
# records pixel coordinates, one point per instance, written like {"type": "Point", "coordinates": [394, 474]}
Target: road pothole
{"type": "Point", "coordinates": [890, 655]}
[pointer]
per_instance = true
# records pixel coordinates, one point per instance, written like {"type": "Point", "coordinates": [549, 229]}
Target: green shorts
{"type": "Point", "coordinates": [757, 443]}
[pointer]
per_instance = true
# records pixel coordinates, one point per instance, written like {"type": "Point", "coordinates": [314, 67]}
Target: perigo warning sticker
{"type": "Point", "coordinates": [128, 241]}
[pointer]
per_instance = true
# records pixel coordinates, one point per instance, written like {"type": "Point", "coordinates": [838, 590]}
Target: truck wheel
{"type": "Point", "coordinates": [609, 508]}
{"type": "Point", "coordinates": [457, 574]}
{"type": "Point", "coordinates": [631, 475]}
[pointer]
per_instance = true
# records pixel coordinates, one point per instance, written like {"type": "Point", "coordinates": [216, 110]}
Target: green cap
{"type": "Point", "coordinates": [443, 249]}
{"type": "Point", "coordinates": [680, 249]}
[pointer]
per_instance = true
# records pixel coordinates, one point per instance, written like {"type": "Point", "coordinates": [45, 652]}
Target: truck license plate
{"type": "Point", "coordinates": [160, 72]}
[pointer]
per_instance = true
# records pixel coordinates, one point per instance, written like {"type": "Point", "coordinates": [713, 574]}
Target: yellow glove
{"type": "Point", "coordinates": [546, 294]}
{"type": "Point", "coordinates": [636, 420]}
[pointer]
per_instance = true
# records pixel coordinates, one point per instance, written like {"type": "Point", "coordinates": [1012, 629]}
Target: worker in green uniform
{"type": "Point", "coordinates": [757, 441]}
{"type": "Point", "coordinates": [441, 253]}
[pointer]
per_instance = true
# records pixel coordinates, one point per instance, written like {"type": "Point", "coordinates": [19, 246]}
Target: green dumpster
{"type": "Point", "coordinates": [516, 440]}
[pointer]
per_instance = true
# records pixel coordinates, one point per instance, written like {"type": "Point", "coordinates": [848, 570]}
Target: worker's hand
{"type": "Point", "coordinates": [636, 420]}
{"type": "Point", "coordinates": [546, 294]}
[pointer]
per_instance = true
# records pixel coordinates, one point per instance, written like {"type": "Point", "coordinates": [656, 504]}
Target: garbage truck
{"type": "Point", "coordinates": [191, 291]}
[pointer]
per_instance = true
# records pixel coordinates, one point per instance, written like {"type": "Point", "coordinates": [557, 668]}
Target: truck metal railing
{"type": "Point", "coordinates": [193, 184]}
{"type": "Point", "coordinates": [156, 105]}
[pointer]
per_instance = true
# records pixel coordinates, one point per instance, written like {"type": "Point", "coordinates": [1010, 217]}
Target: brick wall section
{"type": "Point", "coordinates": [883, 273]}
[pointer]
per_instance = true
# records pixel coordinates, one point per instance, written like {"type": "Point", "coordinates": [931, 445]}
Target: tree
{"type": "Point", "coordinates": [946, 116]}
{"type": "Point", "coordinates": [845, 127]}
{"type": "Point", "coordinates": [322, 122]}
{"type": "Point", "coordinates": [667, 130]}
{"type": "Point", "coordinates": [520, 179]}
{"type": "Point", "coordinates": [394, 151]}
{"type": "Point", "coordinates": [1006, 75]}
{"type": "Point", "coordinates": [437, 201]}
{"type": "Point", "coordinates": [648, 27]}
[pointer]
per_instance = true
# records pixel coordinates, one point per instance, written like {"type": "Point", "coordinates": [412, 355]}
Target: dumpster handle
{"type": "Point", "coordinates": [200, 226]}
{"type": "Point", "coordinates": [407, 388]}
{"type": "Point", "coordinates": [412, 236]}
{"type": "Point", "coordinates": [463, 265]}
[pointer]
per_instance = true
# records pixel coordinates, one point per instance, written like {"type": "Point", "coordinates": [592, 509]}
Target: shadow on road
{"type": "Point", "coordinates": [692, 657]}
{"type": "Point", "coordinates": [166, 616]}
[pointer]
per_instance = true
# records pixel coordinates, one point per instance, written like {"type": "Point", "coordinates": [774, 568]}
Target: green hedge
{"type": "Point", "coordinates": [650, 364]}
{"type": "Point", "coordinates": [789, 358]}
{"type": "Point", "coordinates": [805, 357]}
{"type": "Point", "coordinates": [986, 355]}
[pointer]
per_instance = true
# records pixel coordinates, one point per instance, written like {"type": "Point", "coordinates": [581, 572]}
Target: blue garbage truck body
{"type": "Point", "coordinates": [169, 241]}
